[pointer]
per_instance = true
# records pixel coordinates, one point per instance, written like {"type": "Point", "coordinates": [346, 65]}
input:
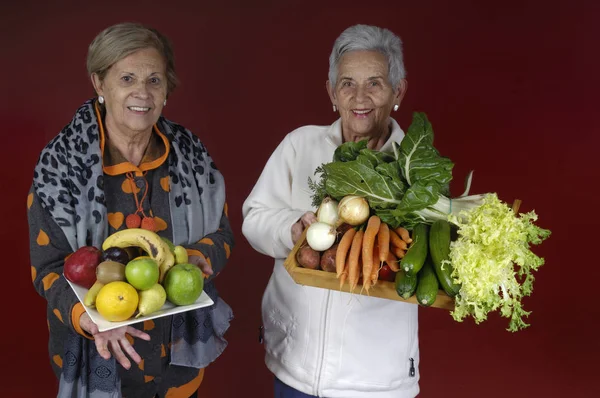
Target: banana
{"type": "Point", "coordinates": [147, 240]}
{"type": "Point", "coordinates": [90, 297]}
{"type": "Point", "coordinates": [168, 262]}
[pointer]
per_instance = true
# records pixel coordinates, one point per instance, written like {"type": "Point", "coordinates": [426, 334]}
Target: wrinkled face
{"type": "Point", "coordinates": [363, 93]}
{"type": "Point", "coordinates": [134, 91]}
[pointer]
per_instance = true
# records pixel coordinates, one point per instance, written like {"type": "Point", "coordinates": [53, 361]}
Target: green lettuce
{"type": "Point", "coordinates": [493, 262]}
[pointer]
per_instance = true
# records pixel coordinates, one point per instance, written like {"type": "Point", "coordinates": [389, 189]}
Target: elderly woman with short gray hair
{"type": "Point", "coordinates": [120, 164]}
{"type": "Point", "coordinates": [318, 342]}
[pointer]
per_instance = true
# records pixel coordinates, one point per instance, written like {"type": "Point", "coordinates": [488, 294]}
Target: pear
{"type": "Point", "coordinates": [181, 256]}
{"type": "Point", "coordinates": [151, 300]}
{"type": "Point", "coordinates": [169, 243]}
{"type": "Point", "coordinates": [90, 296]}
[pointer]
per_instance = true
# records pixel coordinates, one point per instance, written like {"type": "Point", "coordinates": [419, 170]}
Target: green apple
{"type": "Point", "coordinates": [142, 273]}
{"type": "Point", "coordinates": [183, 284]}
{"type": "Point", "coordinates": [181, 256]}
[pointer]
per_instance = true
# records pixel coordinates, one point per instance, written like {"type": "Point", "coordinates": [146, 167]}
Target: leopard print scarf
{"type": "Point", "coordinates": [68, 179]}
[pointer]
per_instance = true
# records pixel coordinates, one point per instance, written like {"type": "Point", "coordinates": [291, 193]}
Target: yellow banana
{"type": "Point", "coordinates": [147, 240]}
{"type": "Point", "coordinates": [90, 297]}
{"type": "Point", "coordinates": [167, 263]}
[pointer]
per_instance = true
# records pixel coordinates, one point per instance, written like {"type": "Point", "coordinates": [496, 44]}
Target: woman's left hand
{"type": "Point", "coordinates": [202, 264]}
{"type": "Point", "coordinates": [114, 341]}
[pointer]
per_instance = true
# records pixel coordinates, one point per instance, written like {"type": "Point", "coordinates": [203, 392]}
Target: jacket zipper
{"type": "Point", "coordinates": [323, 343]}
{"type": "Point", "coordinates": [411, 370]}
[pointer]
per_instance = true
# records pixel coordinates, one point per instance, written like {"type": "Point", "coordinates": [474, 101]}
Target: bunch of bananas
{"type": "Point", "coordinates": [150, 242]}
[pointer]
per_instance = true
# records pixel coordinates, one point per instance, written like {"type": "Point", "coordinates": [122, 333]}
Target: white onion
{"type": "Point", "coordinates": [354, 210]}
{"type": "Point", "coordinates": [320, 236]}
{"type": "Point", "coordinates": [328, 211]}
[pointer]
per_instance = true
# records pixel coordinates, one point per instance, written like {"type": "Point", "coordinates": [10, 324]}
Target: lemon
{"type": "Point", "coordinates": [117, 301]}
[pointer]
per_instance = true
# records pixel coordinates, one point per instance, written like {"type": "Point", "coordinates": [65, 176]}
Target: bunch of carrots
{"type": "Point", "coordinates": [363, 252]}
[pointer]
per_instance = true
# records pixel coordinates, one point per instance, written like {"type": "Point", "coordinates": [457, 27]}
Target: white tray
{"type": "Point", "coordinates": [167, 309]}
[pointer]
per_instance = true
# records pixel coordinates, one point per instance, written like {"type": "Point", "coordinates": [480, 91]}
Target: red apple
{"type": "Point", "coordinates": [80, 267]}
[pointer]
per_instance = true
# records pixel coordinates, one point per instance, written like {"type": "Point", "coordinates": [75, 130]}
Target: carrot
{"type": "Point", "coordinates": [392, 262]}
{"type": "Point", "coordinates": [399, 252]}
{"type": "Point", "coordinates": [344, 275]}
{"type": "Point", "coordinates": [342, 251]}
{"type": "Point", "coordinates": [403, 233]}
{"type": "Point", "coordinates": [376, 267]}
{"type": "Point", "coordinates": [383, 239]}
{"type": "Point", "coordinates": [367, 249]}
{"type": "Point", "coordinates": [395, 240]}
{"type": "Point", "coordinates": [353, 257]}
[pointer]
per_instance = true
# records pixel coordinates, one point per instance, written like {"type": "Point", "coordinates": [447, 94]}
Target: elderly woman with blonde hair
{"type": "Point", "coordinates": [120, 164]}
{"type": "Point", "coordinates": [323, 343]}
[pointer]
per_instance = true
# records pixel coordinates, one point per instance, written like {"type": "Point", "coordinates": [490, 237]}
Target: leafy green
{"type": "Point", "coordinates": [318, 187]}
{"type": "Point", "coordinates": [357, 178]}
{"type": "Point", "coordinates": [349, 151]}
{"type": "Point", "coordinates": [491, 242]}
{"type": "Point", "coordinates": [397, 187]}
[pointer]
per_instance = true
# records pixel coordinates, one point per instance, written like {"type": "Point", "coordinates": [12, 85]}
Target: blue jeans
{"type": "Point", "coordinates": [284, 391]}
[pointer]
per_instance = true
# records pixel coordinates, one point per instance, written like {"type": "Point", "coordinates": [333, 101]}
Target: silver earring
{"type": "Point", "coordinates": [335, 108]}
{"type": "Point", "coordinates": [396, 107]}
{"type": "Point", "coordinates": [165, 103]}
{"type": "Point", "coordinates": [100, 99]}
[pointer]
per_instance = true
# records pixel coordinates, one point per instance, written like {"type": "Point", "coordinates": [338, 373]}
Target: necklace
{"type": "Point", "coordinates": [139, 218]}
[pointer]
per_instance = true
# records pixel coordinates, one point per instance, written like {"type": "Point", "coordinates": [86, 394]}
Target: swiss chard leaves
{"type": "Point", "coordinates": [358, 178]}
{"type": "Point", "coordinates": [349, 151]}
{"type": "Point", "coordinates": [418, 158]}
{"type": "Point", "coordinates": [396, 187]}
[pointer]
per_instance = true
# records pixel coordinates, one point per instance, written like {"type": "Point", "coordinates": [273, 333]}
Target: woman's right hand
{"type": "Point", "coordinates": [307, 218]}
{"type": "Point", "coordinates": [114, 340]}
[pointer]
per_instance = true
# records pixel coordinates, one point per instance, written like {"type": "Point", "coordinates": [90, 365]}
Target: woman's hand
{"type": "Point", "coordinates": [307, 218]}
{"type": "Point", "coordinates": [113, 341]}
{"type": "Point", "coordinates": [204, 266]}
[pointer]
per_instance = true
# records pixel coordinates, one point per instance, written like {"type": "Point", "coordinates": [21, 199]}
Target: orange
{"type": "Point", "coordinates": [117, 301]}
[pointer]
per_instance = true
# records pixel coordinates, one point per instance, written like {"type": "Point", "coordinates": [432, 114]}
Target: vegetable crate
{"type": "Point", "coordinates": [328, 280]}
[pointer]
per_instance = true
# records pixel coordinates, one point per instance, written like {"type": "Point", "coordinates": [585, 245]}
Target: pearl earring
{"type": "Point", "coordinates": [165, 103]}
{"type": "Point", "coordinates": [396, 107]}
{"type": "Point", "coordinates": [100, 99]}
{"type": "Point", "coordinates": [335, 108]}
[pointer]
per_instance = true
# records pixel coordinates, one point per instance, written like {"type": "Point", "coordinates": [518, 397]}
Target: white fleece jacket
{"type": "Point", "coordinates": [324, 342]}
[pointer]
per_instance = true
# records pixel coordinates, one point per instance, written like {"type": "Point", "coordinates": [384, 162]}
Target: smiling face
{"type": "Point", "coordinates": [134, 91]}
{"type": "Point", "coordinates": [364, 95]}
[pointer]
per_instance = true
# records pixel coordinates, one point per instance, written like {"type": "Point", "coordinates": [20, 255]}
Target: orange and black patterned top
{"type": "Point", "coordinates": [49, 247]}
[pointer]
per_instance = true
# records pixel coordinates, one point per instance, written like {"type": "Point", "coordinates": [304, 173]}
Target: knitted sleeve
{"type": "Point", "coordinates": [215, 247]}
{"type": "Point", "coordinates": [48, 249]}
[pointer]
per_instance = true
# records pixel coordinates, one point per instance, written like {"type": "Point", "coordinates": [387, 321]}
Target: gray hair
{"type": "Point", "coordinates": [369, 38]}
{"type": "Point", "coordinates": [118, 41]}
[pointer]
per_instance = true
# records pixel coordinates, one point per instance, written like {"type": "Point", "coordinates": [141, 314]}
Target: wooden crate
{"type": "Point", "coordinates": [328, 280]}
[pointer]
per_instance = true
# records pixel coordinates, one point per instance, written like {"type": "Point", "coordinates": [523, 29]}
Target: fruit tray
{"type": "Point", "coordinates": [167, 309]}
{"type": "Point", "coordinates": [328, 280]}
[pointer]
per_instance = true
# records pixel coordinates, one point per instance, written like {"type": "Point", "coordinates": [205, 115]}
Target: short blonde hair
{"type": "Point", "coordinates": [118, 41]}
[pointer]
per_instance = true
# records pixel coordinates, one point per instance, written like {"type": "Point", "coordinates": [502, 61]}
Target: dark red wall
{"type": "Point", "coordinates": [511, 89]}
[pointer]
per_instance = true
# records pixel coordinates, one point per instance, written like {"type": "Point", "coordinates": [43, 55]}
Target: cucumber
{"type": "Point", "coordinates": [405, 284]}
{"type": "Point", "coordinates": [439, 248]}
{"type": "Point", "coordinates": [415, 257]}
{"type": "Point", "coordinates": [428, 285]}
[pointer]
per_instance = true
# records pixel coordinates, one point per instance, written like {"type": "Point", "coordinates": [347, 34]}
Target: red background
{"type": "Point", "coordinates": [510, 90]}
